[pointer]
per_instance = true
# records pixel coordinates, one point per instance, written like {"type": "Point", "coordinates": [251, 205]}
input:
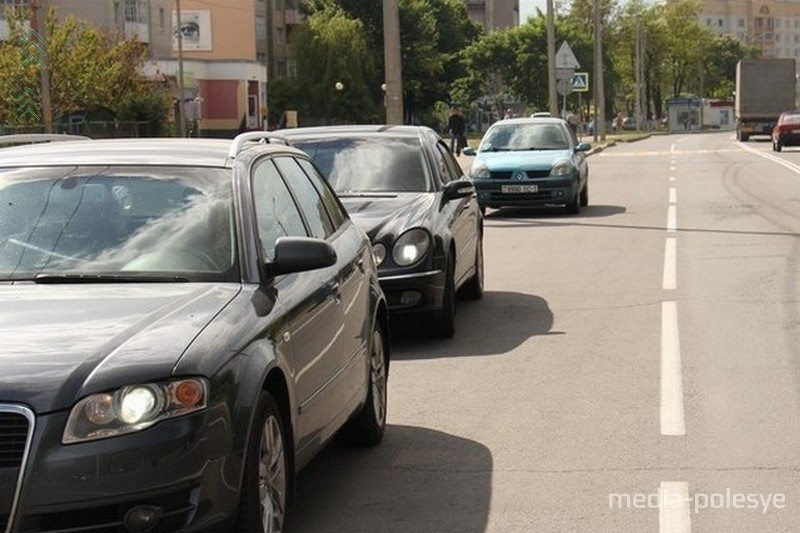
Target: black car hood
{"type": "Point", "coordinates": [391, 216]}
{"type": "Point", "coordinates": [61, 342]}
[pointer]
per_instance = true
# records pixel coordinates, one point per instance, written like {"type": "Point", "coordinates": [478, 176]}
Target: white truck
{"type": "Point", "coordinates": [765, 88]}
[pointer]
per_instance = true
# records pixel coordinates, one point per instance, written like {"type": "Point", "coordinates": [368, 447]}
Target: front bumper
{"type": "Point", "coordinates": [412, 293]}
{"type": "Point", "coordinates": [183, 468]}
{"type": "Point", "coordinates": [551, 191]}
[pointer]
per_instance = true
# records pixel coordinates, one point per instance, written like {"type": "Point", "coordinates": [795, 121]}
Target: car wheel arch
{"type": "Point", "coordinates": [276, 385]}
{"type": "Point", "coordinates": [382, 318]}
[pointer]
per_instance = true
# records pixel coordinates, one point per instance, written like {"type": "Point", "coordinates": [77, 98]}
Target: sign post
{"type": "Point", "coordinates": [566, 63]}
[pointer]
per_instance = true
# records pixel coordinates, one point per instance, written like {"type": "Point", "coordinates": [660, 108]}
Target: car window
{"type": "Point", "coordinates": [335, 209]}
{"type": "Point", "coordinates": [450, 168]}
{"type": "Point", "coordinates": [111, 220]}
{"type": "Point", "coordinates": [370, 164]}
{"type": "Point", "coordinates": [307, 197]}
{"type": "Point", "coordinates": [277, 214]}
{"type": "Point", "coordinates": [791, 119]}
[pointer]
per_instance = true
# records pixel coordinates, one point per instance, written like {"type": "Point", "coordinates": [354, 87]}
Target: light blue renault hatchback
{"type": "Point", "coordinates": [531, 162]}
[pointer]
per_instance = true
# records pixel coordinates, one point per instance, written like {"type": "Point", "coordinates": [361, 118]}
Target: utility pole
{"type": "Point", "coordinates": [599, 90]}
{"type": "Point", "coordinates": [638, 72]}
{"type": "Point", "coordinates": [181, 95]}
{"type": "Point", "coordinates": [39, 26]}
{"type": "Point", "coordinates": [392, 62]}
{"type": "Point", "coordinates": [551, 60]}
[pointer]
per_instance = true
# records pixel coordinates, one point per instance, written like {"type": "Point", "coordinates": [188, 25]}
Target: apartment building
{"type": "Point", "coordinates": [146, 20]}
{"type": "Point", "coordinates": [494, 14]}
{"type": "Point", "coordinates": [771, 25]}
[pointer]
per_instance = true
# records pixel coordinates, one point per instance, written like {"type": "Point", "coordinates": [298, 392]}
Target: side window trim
{"type": "Point", "coordinates": [293, 193]}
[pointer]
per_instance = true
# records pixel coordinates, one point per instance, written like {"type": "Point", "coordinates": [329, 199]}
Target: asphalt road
{"type": "Point", "coordinates": [635, 368]}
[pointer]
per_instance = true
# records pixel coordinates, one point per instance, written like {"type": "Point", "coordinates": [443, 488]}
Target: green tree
{"type": "Point", "coordinates": [88, 69]}
{"type": "Point", "coordinates": [335, 68]}
{"type": "Point", "coordinates": [434, 36]}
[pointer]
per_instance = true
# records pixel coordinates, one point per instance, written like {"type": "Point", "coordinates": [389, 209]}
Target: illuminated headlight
{"type": "Point", "coordinates": [379, 253]}
{"type": "Point", "coordinates": [562, 168]}
{"type": "Point", "coordinates": [479, 171]}
{"type": "Point", "coordinates": [411, 247]}
{"type": "Point", "coordinates": [133, 408]}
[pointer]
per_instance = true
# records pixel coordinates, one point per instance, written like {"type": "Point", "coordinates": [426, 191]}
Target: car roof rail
{"type": "Point", "coordinates": [254, 136]}
{"type": "Point", "coordinates": [33, 138]}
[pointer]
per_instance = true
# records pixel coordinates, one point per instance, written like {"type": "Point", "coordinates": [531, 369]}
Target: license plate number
{"type": "Point", "coordinates": [519, 189]}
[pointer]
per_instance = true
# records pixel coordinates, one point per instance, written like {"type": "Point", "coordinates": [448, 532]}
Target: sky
{"type": "Point", "coordinates": [527, 8]}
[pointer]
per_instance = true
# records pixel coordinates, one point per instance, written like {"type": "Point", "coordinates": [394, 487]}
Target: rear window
{"type": "Point", "coordinates": [117, 220]}
{"type": "Point", "coordinates": [791, 119]}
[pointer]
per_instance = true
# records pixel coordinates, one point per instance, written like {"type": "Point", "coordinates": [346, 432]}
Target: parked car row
{"type": "Point", "coordinates": [184, 324]}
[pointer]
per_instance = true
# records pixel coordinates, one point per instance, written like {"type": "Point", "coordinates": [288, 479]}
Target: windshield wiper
{"type": "Point", "coordinates": [105, 278]}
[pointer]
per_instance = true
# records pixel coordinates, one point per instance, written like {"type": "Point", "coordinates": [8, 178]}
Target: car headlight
{"type": "Point", "coordinates": [133, 408]}
{"type": "Point", "coordinates": [479, 171]}
{"type": "Point", "coordinates": [378, 253]}
{"type": "Point", "coordinates": [562, 168]}
{"type": "Point", "coordinates": [411, 246]}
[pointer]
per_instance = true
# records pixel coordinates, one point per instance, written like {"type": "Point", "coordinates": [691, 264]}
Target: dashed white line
{"type": "Point", "coordinates": [670, 280]}
{"type": "Point", "coordinates": [672, 418]}
{"type": "Point", "coordinates": [674, 507]}
{"type": "Point", "coordinates": [672, 218]}
{"type": "Point", "coordinates": [673, 195]}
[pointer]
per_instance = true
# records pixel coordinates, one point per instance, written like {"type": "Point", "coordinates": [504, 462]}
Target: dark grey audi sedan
{"type": "Point", "coordinates": [183, 325]}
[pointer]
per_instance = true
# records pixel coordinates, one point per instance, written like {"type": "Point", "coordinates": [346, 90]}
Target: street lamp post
{"type": "Point", "coordinates": [181, 110]}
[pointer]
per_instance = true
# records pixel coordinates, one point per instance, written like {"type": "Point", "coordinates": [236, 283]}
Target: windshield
{"type": "Point", "coordinates": [379, 164]}
{"type": "Point", "coordinates": [522, 137]}
{"type": "Point", "coordinates": [116, 222]}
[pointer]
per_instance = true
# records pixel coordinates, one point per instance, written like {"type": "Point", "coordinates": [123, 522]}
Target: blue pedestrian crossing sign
{"type": "Point", "coordinates": [580, 82]}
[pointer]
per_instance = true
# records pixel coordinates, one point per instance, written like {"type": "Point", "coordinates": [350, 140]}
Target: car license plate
{"type": "Point", "coordinates": [519, 189]}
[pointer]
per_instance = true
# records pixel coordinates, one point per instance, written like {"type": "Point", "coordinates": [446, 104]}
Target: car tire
{"type": "Point", "coordinates": [443, 324]}
{"type": "Point", "coordinates": [473, 289]}
{"type": "Point", "coordinates": [265, 497]}
{"type": "Point", "coordinates": [573, 207]}
{"type": "Point", "coordinates": [777, 146]}
{"type": "Point", "coordinates": [368, 427]}
{"type": "Point", "coordinates": [585, 194]}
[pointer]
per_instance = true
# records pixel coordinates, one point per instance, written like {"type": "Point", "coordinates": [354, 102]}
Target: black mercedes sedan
{"type": "Point", "coordinates": [183, 325]}
{"type": "Point", "coordinates": [403, 186]}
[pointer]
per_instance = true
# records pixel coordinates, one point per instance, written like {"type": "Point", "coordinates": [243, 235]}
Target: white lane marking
{"type": "Point", "coordinates": [672, 218]}
{"type": "Point", "coordinates": [672, 178]}
{"type": "Point", "coordinates": [673, 195]}
{"type": "Point", "coordinates": [775, 159]}
{"type": "Point", "coordinates": [672, 419]}
{"type": "Point", "coordinates": [672, 168]}
{"type": "Point", "coordinates": [671, 264]}
{"type": "Point", "coordinates": [673, 507]}
{"type": "Point", "coordinates": [662, 153]}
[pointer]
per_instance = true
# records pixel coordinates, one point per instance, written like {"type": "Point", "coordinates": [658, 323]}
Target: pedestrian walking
{"type": "Point", "coordinates": [458, 130]}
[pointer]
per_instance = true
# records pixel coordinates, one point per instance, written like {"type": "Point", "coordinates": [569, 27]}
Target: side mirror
{"type": "Point", "coordinates": [469, 150]}
{"type": "Point", "coordinates": [298, 254]}
{"type": "Point", "coordinates": [583, 147]}
{"type": "Point", "coordinates": [457, 189]}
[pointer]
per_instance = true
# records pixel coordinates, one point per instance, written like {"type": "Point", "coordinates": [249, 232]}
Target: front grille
{"type": "Point", "coordinates": [13, 436]}
{"type": "Point", "coordinates": [16, 425]}
{"type": "Point", "coordinates": [532, 174]}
